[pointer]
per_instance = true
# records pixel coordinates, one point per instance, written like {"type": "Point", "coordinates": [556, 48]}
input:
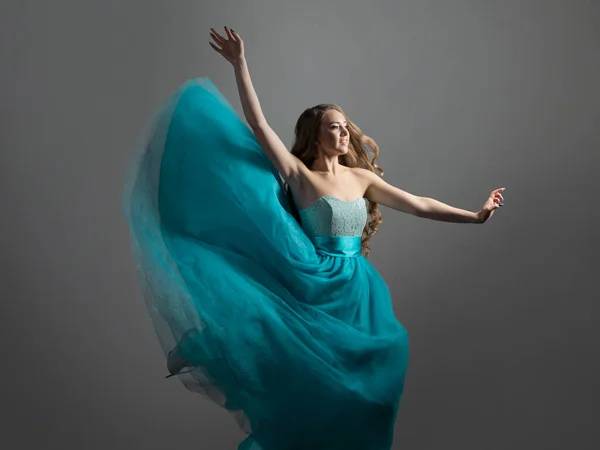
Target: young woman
{"type": "Point", "coordinates": [252, 261]}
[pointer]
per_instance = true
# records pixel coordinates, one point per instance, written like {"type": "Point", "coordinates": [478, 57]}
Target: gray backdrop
{"type": "Point", "coordinates": [462, 97]}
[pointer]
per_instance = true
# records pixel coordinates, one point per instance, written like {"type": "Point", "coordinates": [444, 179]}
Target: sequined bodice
{"type": "Point", "coordinates": [330, 216]}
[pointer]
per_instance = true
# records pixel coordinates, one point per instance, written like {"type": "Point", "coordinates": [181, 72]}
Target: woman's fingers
{"type": "Point", "coordinates": [230, 46]}
{"type": "Point", "coordinates": [217, 37]}
{"type": "Point", "coordinates": [500, 199]}
{"type": "Point", "coordinates": [217, 33]}
{"type": "Point", "coordinates": [217, 49]}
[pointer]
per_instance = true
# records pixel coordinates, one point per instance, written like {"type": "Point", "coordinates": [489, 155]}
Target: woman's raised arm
{"type": "Point", "coordinates": [231, 48]}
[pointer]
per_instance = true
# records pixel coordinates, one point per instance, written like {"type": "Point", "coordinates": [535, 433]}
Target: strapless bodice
{"type": "Point", "coordinates": [330, 216]}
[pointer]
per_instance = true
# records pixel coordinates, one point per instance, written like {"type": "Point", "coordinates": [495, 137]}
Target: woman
{"type": "Point", "coordinates": [259, 289]}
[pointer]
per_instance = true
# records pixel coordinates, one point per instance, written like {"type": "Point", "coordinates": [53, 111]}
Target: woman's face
{"type": "Point", "coordinates": [333, 135]}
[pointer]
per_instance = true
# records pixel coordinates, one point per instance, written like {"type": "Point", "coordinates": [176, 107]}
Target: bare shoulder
{"type": "Point", "coordinates": [360, 172]}
{"type": "Point", "coordinates": [364, 177]}
{"type": "Point", "coordinates": [378, 190]}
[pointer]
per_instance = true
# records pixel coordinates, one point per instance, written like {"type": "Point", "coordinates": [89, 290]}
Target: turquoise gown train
{"type": "Point", "coordinates": [286, 325]}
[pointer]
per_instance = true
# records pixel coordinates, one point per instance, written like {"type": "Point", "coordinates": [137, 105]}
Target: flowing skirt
{"type": "Point", "coordinates": [300, 344]}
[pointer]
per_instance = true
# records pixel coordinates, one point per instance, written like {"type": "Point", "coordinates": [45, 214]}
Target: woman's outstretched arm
{"type": "Point", "coordinates": [380, 191]}
{"type": "Point", "coordinates": [231, 48]}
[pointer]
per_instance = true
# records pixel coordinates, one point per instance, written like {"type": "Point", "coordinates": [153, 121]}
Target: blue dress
{"type": "Point", "coordinates": [286, 325]}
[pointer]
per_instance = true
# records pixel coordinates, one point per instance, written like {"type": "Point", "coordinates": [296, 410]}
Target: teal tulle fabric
{"type": "Point", "coordinates": [287, 326]}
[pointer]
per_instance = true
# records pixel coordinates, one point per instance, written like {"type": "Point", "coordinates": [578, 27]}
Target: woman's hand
{"type": "Point", "coordinates": [494, 202]}
{"type": "Point", "coordinates": [231, 47]}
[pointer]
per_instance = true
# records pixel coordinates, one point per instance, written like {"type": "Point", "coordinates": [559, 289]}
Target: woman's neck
{"type": "Point", "coordinates": [327, 166]}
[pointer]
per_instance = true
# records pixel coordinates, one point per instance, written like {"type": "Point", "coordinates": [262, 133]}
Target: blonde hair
{"type": "Point", "coordinates": [362, 152]}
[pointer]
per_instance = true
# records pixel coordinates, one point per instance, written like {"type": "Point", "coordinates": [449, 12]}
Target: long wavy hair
{"type": "Point", "coordinates": [362, 152]}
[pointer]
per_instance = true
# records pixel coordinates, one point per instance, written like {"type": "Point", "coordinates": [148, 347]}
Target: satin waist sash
{"type": "Point", "coordinates": [344, 246]}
